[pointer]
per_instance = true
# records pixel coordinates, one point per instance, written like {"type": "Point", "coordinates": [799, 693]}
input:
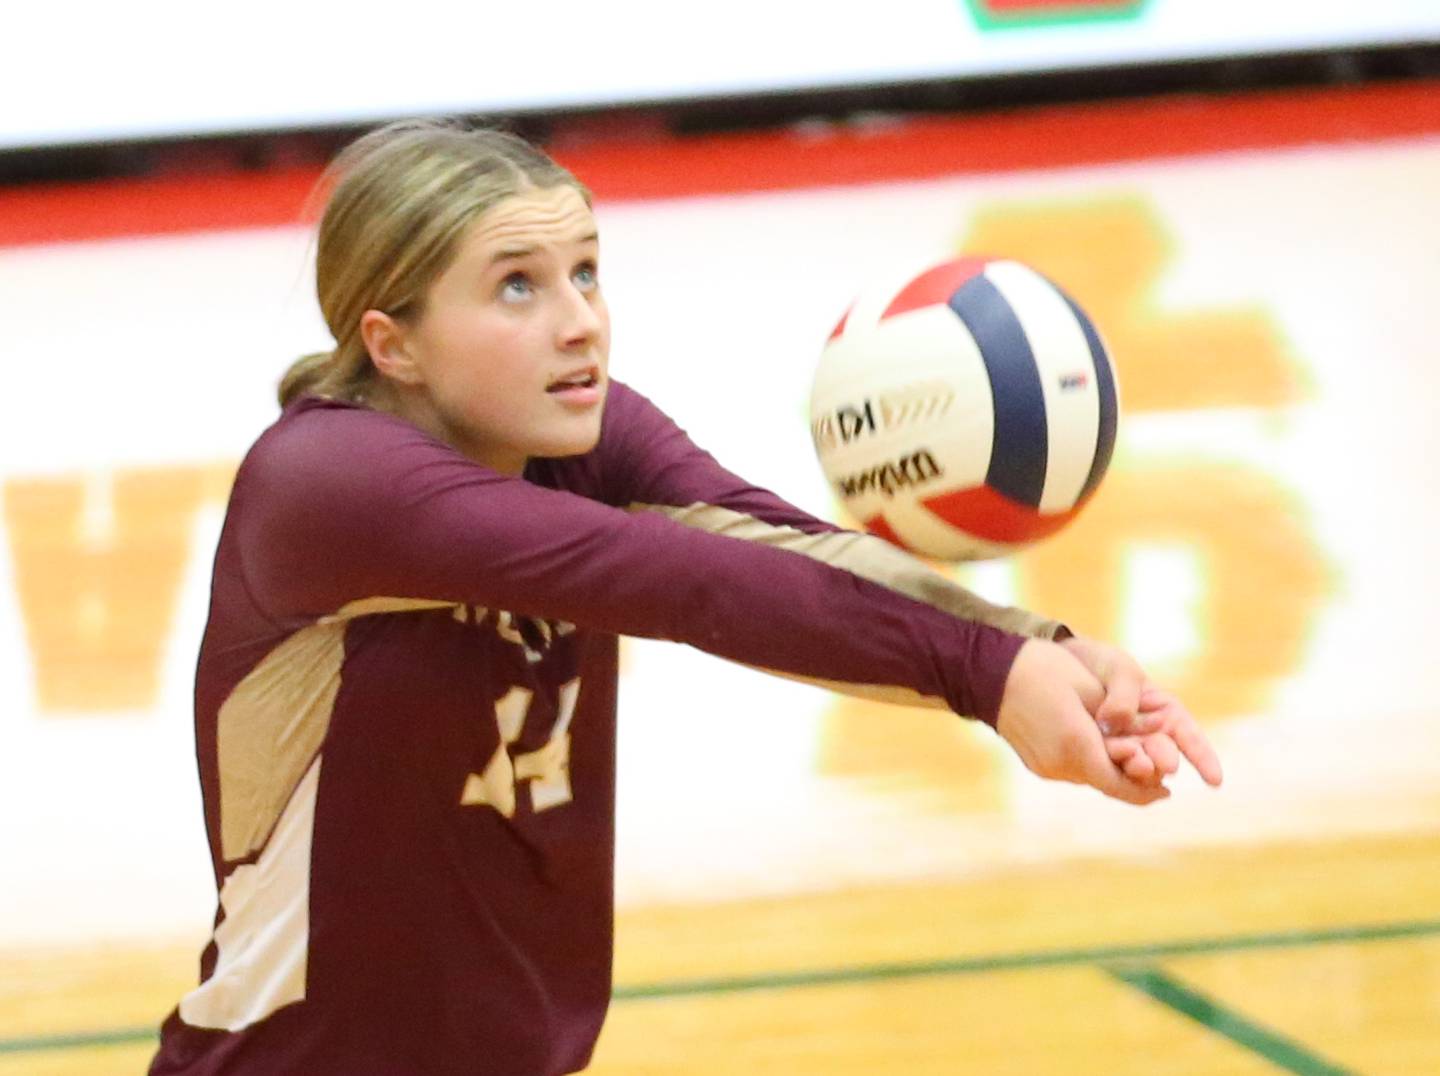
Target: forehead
{"type": "Point", "coordinates": [532, 218]}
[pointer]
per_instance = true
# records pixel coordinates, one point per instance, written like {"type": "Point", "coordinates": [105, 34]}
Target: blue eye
{"type": "Point", "coordinates": [587, 276]}
{"type": "Point", "coordinates": [515, 286]}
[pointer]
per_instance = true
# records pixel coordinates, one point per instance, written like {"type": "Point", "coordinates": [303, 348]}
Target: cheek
{"type": "Point", "coordinates": [479, 350]}
{"type": "Point", "coordinates": [604, 313]}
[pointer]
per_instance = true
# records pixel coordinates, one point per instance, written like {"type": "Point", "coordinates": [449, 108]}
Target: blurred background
{"type": "Point", "coordinates": [1243, 195]}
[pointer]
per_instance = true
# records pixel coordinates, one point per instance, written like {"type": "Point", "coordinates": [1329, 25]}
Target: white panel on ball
{"type": "Point", "coordinates": [914, 383]}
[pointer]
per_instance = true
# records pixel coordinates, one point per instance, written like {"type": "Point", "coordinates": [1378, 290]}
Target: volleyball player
{"type": "Point", "coordinates": [405, 697]}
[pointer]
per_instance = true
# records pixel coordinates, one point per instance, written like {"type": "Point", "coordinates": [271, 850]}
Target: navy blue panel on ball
{"type": "Point", "coordinates": [1022, 445]}
{"type": "Point", "coordinates": [1109, 407]}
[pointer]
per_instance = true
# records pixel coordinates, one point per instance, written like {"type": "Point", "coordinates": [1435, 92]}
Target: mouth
{"type": "Point", "coordinates": [583, 380]}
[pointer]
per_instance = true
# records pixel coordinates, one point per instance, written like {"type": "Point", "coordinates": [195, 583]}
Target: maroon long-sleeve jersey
{"type": "Point", "coordinates": [405, 723]}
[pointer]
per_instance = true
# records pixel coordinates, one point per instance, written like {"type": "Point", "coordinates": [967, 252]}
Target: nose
{"type": "Point", "coordinates": [581, 319]}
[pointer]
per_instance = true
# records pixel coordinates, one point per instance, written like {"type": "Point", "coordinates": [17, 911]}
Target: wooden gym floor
{"type": "Point", "coordinates": [1314, 957]}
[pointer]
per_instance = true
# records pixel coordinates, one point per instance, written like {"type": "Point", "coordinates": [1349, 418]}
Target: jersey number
{"type": "Point", "coordinates": [546, 769]}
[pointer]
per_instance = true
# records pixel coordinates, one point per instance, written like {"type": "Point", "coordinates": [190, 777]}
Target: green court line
{"type": "Point", "coordinates": [1278, 1050]}
{"type": "Point", "coordinates": [1018, 961]}
{"type": "Point", "coordinates": [1102, 955]}
{"type": "Point", "coordinates": [121, 1036]}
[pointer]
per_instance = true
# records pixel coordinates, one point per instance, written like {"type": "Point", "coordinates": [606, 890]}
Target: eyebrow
{"type": "Point", "coordinates": [515, 253]}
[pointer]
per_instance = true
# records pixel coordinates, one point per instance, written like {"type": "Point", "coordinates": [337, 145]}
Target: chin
{"type": "Point", "coordinates": [571, 443]}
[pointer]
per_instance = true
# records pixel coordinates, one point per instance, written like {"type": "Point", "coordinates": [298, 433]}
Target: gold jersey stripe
{"type": "Point", "coordinates": [273, 723]}
{"type": "Point", "coordinates": [868, 557]}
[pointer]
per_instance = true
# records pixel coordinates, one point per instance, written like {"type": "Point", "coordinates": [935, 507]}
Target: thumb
{"type": "Point", "coordinates": [1120, 680]}
{"type": "Point", "coordinates": [1117, 714]}
{"type": "Point", "coordinates": [1126, 686]}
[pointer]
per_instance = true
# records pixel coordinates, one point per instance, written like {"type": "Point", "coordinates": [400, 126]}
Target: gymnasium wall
{"type": "Point", "coordinates": [1261, 266]}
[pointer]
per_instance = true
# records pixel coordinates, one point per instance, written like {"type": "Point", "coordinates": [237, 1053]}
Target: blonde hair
{"type": "Point", "coordinates": [400, 199]}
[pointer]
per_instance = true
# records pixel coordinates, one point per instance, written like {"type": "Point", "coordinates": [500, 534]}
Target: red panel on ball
{"type": "Point", "coordinates": [935, 285]}
{"type": "Point", "coordinates": [840, 326]}
{"type": "Point", "coordinates": [878, 527]}
{"type": "Point", "coordinates": [982, 512]}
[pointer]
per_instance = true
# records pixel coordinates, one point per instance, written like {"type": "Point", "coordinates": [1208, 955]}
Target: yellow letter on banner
{"type": "Point", "coordinates": [1109, 255]}
{"type": "Point", "coordinates": [1262, 581]}
{"type": "Point", "coordinates": [98, 564]}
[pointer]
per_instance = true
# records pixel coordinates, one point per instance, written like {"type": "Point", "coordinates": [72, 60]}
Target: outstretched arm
{"type": "Point", "coordinates": [648, 463]}
{"type": "Point", "coordinates": [339, 506]}
{"type": "Point", "coordinates": [653, 465]}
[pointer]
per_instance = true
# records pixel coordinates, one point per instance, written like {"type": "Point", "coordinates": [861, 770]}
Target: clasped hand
{"type": "Point", "coordinates": [1085, 712]}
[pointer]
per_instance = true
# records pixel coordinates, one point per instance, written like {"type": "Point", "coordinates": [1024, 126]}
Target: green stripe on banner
{"type": "Point", "coordinates": [1275, 1048]}
{"type": "Point", "coordinates": [1104, 956]}
{"type": "Point", "coordinates": [1043, 14]}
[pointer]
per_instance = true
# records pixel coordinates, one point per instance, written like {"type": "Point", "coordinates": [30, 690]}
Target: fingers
{"type": "Point", "coordinates": [1162, 752]}
{"type": "Point", "coordinates": [1133, 758]}
{"type": "Point", "coordinates": [1101, 774]}
{"type": "Point", "coordinates": [1182, 729]}
{"type": "Point", "coordinates": [1130, 779]}
{"type": "Point", "coordinates": [1122, 749]}
{"type": "Point", "coordinates": [1202, 756]}
{"type": "Point", "coordinates": [1119, 712]}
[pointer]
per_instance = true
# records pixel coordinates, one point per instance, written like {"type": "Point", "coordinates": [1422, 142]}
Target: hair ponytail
{"type": "Point", "coordinates": [304, 374]}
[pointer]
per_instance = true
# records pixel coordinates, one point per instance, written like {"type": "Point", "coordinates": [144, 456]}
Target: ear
{"type": "Point", "coordinates": [385, 340]}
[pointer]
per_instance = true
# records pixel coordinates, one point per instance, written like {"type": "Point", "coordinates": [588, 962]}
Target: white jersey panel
{"type": "Point", "coordinates": [264, 939]}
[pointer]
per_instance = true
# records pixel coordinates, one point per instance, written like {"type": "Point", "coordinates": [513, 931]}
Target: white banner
{"type": "Point", "coordinates": [164, 67]}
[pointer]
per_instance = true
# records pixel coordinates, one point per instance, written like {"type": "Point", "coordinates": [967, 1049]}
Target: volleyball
{"type": "Point", "coordinates": [964, 411]}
